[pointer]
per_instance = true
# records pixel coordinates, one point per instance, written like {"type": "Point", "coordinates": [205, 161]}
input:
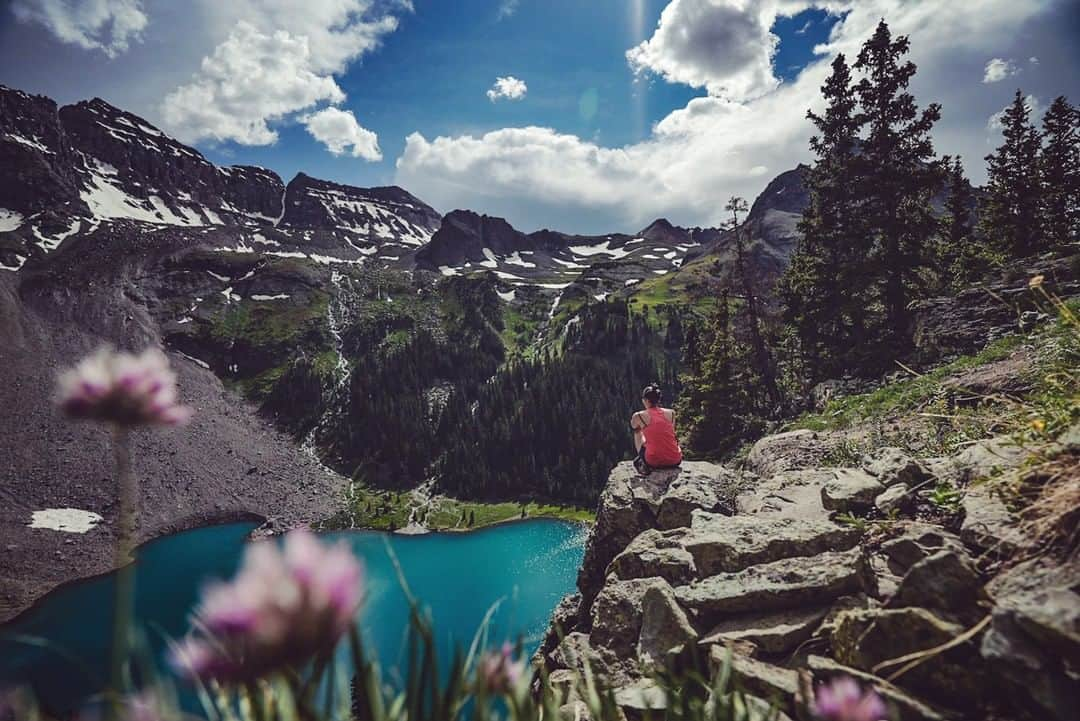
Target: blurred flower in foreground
{"type": "Point", "coordinates": [123, 389]}
{"type": "Point", "coordinates": [12, 702]}
{"type": "Point", "coordinates": [285, 606]}
{"type": "Point", "coordinates": [498, 672]}
{"type": "Point", "coordinates": [842, 700]}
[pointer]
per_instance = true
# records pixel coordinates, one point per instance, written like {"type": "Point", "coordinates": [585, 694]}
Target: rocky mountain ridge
{"type": "Point", "coordinates": [290, 295]}
{"type": "Point", "coordinates": [828, 550]}
{"type": "Point", "coordinates": [705, 566]}
{"type": "Point", "coordinates": [67, 170]}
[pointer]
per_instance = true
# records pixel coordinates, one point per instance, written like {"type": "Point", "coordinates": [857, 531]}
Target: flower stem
{"type": "Point", "coordinates": [126, 537]}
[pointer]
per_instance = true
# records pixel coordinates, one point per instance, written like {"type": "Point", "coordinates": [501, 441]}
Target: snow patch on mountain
{"type": "Point", "coordinates": [31, 143]}
{"type": "Point", "coordinates": [600, 249]}
{"type": "Point", "coordinates": [9, 220]}
{"type": "Point", "coordinates": [107, 199]}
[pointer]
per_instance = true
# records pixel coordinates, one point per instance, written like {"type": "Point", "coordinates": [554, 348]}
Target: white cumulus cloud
{"type": "Point", "coordinates": [998, 69]}
{"type": "Point", "coordinates": [106, 25]}
{"type": "Point", "coordinates": [279, 59]}
{"type": "Point", "coordinates": [746, 130]}
{"type": "Point", "coordinates": [724, 46]}
{"type": "Point", "coordinates": [509, 87]}
{"type": "Point", "coordinates": [340, 132]}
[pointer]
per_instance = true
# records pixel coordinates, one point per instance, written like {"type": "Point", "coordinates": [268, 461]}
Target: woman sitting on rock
{"type": "Point", "coordinates": [654, 434]}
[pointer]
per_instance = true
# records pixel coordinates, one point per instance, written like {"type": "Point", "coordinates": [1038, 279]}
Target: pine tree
{"type": "Point", "coordinates": [1059, 167]}
{"type": "Point", "coordinates": [824, 289]}
{"type": "Point", "coordinates": [1010, 216]}
{"type": "Point", "coordinates": [900, 176]}
{"type": "Point", "coordinates": [764, 362]}
{"type": "Point", "coordinates": [715, 400]}
{"type": "Point", "coordinates": [960, 256]}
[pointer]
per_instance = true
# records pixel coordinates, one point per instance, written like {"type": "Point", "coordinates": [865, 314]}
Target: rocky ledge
{"type": "Point", "coordinates": [772, 565]}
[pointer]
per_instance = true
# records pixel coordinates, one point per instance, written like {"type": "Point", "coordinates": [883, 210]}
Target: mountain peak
{"type": "Point", "coordinates": [660, 225]}
{"type": "Point", "coordinates": [381, 213]}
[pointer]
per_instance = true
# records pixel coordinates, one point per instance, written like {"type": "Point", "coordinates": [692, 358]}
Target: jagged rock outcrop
{"type": "Point", "coordinates": [375, 214]}
{"type": "Point", "coordinates": [37, 162]}
{"type": "Point", "coordinates": [966, 322]}
{"type": "Point", "coordinates": [672, 574]}
{"type": "Point", "coordinates": [631, 504]}
{"type": "Point", "coordinates": [165, 177]}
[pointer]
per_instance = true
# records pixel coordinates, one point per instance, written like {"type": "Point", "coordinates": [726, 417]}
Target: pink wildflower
{"type": "Point", "coordinates": [498, 672]}
{"type": "Point", "coordinates": [282, 608]}
{"type": "Point", "coordinates": [12, 703]}
{"type": "Point", "coordinates": [124, 389]}
{"type": "Point", "coordinates": [842, 700]}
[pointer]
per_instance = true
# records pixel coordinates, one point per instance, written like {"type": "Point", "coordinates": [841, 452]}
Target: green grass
{"type": "Point", "coordinates": [260, 386]}
{"type": "Point", "coordinates": [326, 364]}
{"type": "Point", "coordinates": [686, 286]}
{"type": "Point", "coordinates": [519, 332]}
{"type": "Point", "coordinates": [262, 325]}
{"type": "Point", "coordinates": [452, 514]}
{"type": "Point", "coordinates": [901, 396]}
{"type": "Point", "coordinates": [926, 415]}
{"type": "Point", "coordinates": [372, 508]}
{"type": "Point", "coordinates": [383, 510]}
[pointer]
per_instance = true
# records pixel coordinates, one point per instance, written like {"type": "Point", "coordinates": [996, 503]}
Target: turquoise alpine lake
{"type": "Point", "coordinates": [60, 647]}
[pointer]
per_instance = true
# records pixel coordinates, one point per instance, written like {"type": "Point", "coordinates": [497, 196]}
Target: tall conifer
{"type": "Point", "coordinates": [959, 253]}
{"type": "Point", "coordinates": [1010, 214]}
{"type": "Point", "coordinates": [1059, 168]}
{"type": "Point", "coordinates": [824, 286]}
{"type": "Point", "coordinates": [900, 176]}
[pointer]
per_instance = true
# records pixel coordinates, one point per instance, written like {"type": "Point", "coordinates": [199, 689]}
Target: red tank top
{"type": "Point", "coordinates": [661, 446]}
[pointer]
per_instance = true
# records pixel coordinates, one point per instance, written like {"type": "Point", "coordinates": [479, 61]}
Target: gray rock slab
{"type": "Point", "coordinates": [784, 584]}
{"type": "Point", "coordinates": [722, 544]}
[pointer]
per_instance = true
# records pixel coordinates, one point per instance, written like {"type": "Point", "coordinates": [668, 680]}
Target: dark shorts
{"type": "Point", "coordinates": [642, 466]}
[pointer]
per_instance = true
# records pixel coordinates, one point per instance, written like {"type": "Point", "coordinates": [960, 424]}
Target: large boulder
{"type": "Point", "coordinates": [988, 524]}
{"type": "Point", "coordinates": [850, 491]}
{"type": "Point", "coordinates": [784, 584]}
{"type": "Point", "coordinates": [1033, 644]}
{"type": "Point", "coordinates": [664, 626]}
{"type": "Point", "coordinates": [916, 541]}
{"type": "Point", "coordinates": [617, 615]}
{"type": "Point", "coordinates": [791, 451]}
{"type": "Point", "coordinates": [772, 633]}
{"type": "Point", "coordinates": [947, 580]}
{"type": "Point", "coordinates": [892, 466]}
{"type": "Point", "coordinates": [656, 553]}
{"type": "Point", "coordinates": [621, 516]}
{"type": "Point", "coordinates": [720, 544]}
{"type": "Point", "coordinates": [792, 494]}
{"type": "Point", "coordinates": [699, 486]}
{"type": "Point", "coordinates": [631, 503]}
{"type": "Point", "coordinates": [953, 677]}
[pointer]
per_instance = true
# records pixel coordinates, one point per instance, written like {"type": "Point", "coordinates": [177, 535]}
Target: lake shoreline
{"type": "Point", "coordinates": [528, 568]}
{"type": "Point", "coordinates": [259, 530]}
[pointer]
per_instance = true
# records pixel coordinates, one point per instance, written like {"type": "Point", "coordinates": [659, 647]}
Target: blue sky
{"type": "Point", "coordinates": [634, 109]}
{"type": "Point", "coordinates": [431, 76]}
